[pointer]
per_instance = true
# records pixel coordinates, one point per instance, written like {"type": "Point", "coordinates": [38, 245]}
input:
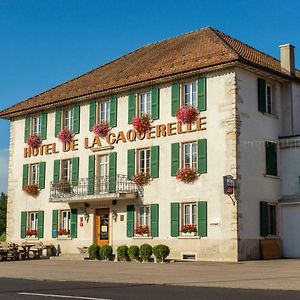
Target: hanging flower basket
{"type": "Point", "coordinates": [187, 114]}
{"type": "Point", "coordinates": [187, 175]}
{"type": "Point", "coordinates": [65, 136]}
{"type": "Point", "coordinates": [141, 178]}
{"type": "Point", "coordinates": [101, 129]}
{"type": "Point", "coordinates": [63, 231]}
{"type": "Point", "coordinates": [142, 230]}
{"type": "Point", "coordinates": [189, 228]}
{"type": "Point", "coordinates": [141, 124]}
{"type": "Point", "coordinates": [34, 141]}
{"type": "Point", "coordinates": [31, 233]}
{"type": "Point", "coordinates": [32, 190]}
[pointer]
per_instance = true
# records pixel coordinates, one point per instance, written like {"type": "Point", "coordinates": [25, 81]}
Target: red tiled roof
{"type": "Point", "coordinates": [192, 51]}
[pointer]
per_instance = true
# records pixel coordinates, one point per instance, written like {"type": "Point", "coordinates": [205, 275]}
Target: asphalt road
{"type": "Point", "coordinates": [14, 289]}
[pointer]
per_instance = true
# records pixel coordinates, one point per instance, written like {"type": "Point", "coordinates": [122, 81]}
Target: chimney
{"type": "Point", "coordinates": [287, 59]}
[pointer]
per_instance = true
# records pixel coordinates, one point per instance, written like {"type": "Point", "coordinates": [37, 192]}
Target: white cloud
{"type": "Point", "coordinates": [3, 170]}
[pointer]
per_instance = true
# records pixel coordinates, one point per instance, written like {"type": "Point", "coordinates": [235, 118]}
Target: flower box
{"type": "Point", "coordinates": [31, 233]}
{"type": "Point", "coordinates": [32, 190]}
{"type": "Point", "coordinates": [101, 129]}
{"type": "Point", "coordinates": [63, 232]}
{"type": "Point", "coordinates": [141, 178]}
{"type": "Point", "coordinates": [141, 124]}
{"type": "Point", "coordinates": [187, 114]}
{"type": "Point", "coordinates": [34, 141]}
{"type": "Point", "coordinates": [65, 136]}
{"type": "Point", "coordinates": [142, 230]}
{"type": "Point", "coordinates": [187, 175]}
{"type": "Point", "coordinates": [188, 230]}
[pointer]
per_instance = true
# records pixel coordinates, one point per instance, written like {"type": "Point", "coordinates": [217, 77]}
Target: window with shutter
{"type": "Point", "coordinates": [174, 219]}
{"type": "Point", "coordinates": [130, 220]}
{"type": "Point", "coordinates": [175, 94]}
{"type": "Point", "coordinates": [131, 107]}
{"type": "Point", "coordinates": [271, 158]}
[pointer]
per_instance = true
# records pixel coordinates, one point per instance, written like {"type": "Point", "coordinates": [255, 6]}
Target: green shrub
{"type": "Point", "coordinates": [106, 252]}
{"type": "Point", "coordinates": [94, 251]}
{"type": "Point", "coordinates": [161, 252]}
{"type": "Point", "coordinates": [122, 253]}
{"type": "Point", "coordinates": [145, 252]}
{"type": "Point", "coordinates": [133, 253]}
{"type": "Point", "coordinates": [3, 237]}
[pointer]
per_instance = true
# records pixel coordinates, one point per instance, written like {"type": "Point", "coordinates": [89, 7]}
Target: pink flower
{"type": "Point", "coordinates": [34, 141]}
{"type": "Point", "coordinates": [141, 178]}
{"type": "Point", "coordinates": [101, 129]}
{"type": "Point", "coordinates": [141, 124]}
{"type": "Point", "coordinates": [187, 114]}
{"type": "Point", "coordinates": [65, 136]}
{"type": "Point", "coordinates": [187, 175]}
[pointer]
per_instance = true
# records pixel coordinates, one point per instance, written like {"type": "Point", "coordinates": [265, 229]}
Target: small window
{"type": "Point", "coordinates": [190, 93]}
{"type": "Point", "coordinates": [103, 111]}
{"type": "Point", "coordinates": [36, 125]}
{"type": "Point", "coordinates": [32, 221]}
{"type": "Point", "coordinates": [189, 214]}
{"type": "Point", "coordinates": [66, 170]}
{"type": "Point", "coordinates": [67, 116]}
{"type": "Point", "coordinates": [64, 224]}
{"type": "Point", "coordinates": [144, 160]}
{"type": "Point", "coordinates": [34, 172]}
{"type": "Point", "coordinates": [143, 215]}
{"type": "Point", "coordinates": [190, 155]}
{"type": "Point", "coordinates": [271, 219]}
{"type": "Point", "coordinates": [269, 99]}
{"type": "Point", "coordinates": [145, 104]}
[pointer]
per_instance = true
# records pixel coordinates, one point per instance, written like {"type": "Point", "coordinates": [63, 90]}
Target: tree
{"type": "Point", "coordinates": [3, 210]}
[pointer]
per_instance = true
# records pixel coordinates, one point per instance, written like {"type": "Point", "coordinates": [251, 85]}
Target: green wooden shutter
{"type": "Point", "coordinates": [27, 129]}
{"type": "Point", "coordinates": [264, 218]}
{"type": "Point", "coordinates": [298, 185]}
{"type": "Point", "coordinates": [44, 126]}
{"type": "Point", "coordinates": [131, 107]}
{"type": "Point", "coordinates": [75, 171]}
{"type": "Point", "coordinates": [25, 175]}
{"type": "Point", "coordinates": [175, 98]}
{"type": "Point", "coordinates": [202, 156]}
{"type": "Point", "coordinates": [56, 170]}
{"type": "Point", "coordinates": [154, 161]}
{"type": "Point", "coordinates": [154, 217]}
{"type": "Point", "coordinates": [155, 103]}
{"type": "Point", "coordinates": [130, 220]}
{"type": "Point", "coordinates": [202, 218]}
{"type": "Point", "coordinates": [113, 112]}
{"type": "Point", "coordinates": [23, 224]}
{"type": "Point", "coordinates": [271, 158]}
{"type": "Point", "coordinates": [92, 114]}
{"type": "Point", "coordinates": [174, 158]}
{"type": "Point", "coordinates": [54, 223]}
{"type": "Point", "coordinates": [91, 187]}
{"type": "Point", "coordinates": [130, 163]}
{"type": "Point", "coordinates": [76, 119]}
{"type": "Point", "coordinates": [112, 172]}
{"type": "Point", "coordinates": [73, 223]}
{"type": "Point", "coordinates": [202, 94]}
{"type": "Point", "coordinates": [40, 224]}
{"type": "Point", "coordinates": [57, 122]}
{"type": "Point", "coordinates": [174, 219]}
{"type": "Point", "coordinates": [42, 174]}
{"type": "Point", "coordinates": [261, 83]}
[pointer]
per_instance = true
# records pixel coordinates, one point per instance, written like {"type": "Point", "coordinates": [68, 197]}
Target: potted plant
{"type": "Point", "coordinates": [142, 230]}
{"type": "Point", "coordinates": [189, 229]}
{"type": "Point", "coordinates": [142, 178]}
{"type": "Point", "coordinates": [31, 233]}
{"type": "Point", "coordinates": [101, 129]}
{"type": "Point", "coordinates": [34, 141]}
{"type": "Point", "coordinates": [141, 124]}
{"type": "Point", "coordinates": [187, 114]}
{"type": "Point", "coordinates": [187, 175]}
{"type": "Point", "coordinates": [65, 136]}
{"type": "Point", "coordinates": [63, 232]}
{"type": "Point", "coordinates": [32, 190]}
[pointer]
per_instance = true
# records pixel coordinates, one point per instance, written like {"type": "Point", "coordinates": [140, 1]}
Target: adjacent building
{"type": "Point", "coordinates": [248, 127]}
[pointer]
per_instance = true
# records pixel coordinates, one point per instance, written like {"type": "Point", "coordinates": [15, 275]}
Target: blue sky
{"type": "Point", "coordinates": [44, 43]}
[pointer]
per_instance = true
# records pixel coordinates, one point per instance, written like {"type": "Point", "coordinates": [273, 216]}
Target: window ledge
{"type": "Point", "coordinates": [32, 239]}
{"type": "Point", "coordinates": [193, 237]}
{"type": "Point", "coordinates": [142, 237]}
{"type": "Point", "coordinates": [271, 115]}
{"type": "Point", "coordinates": [64, 238]}
{"type": "Point", "coordinates": [271, 176]}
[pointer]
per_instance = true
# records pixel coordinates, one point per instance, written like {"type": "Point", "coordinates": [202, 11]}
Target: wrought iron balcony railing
{"type": "Point", "coordinates": [93, 186]}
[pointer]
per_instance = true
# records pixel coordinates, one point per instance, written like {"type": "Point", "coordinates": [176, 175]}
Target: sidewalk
{"type": "Point", "coordinates": [275, 274]}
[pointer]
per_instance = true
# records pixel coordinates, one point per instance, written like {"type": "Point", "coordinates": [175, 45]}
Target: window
{"type": "Point", "coordinates": [189, 214]}
{"type": "Point", "coordinates": [102, 181]}
{"type": "Point", "coordinates": [145, 104]}
{"type": "Point", "coordinates": [271, 219]}
{"type": "Point", "coordinates": [36, 125]}
{"type": "Point", "coordinates": [190, 155]}
{"type": "Point", "coordinates": [64, 224]}
{"type": "Point", "coordinates": [34, 174]}
{"type": "Point", "coordinates": [32, 221]}
{"type": "Point", "coordinates": [66, 172]}
{"type": "Point", "coordinates": [104, 111]}
{"type": "Point", "coordinates": [190, 94]}
{"type": "Point", "coordinates": [271, 158]}
{"type": "Point", "coordinates": [67, 116]}
{"type": "Point", "coordinates": [143, 218]}
{"type": "Point", "coordinates": [269, 99]}
{"type": "Point", "coordinates": [144, 161]}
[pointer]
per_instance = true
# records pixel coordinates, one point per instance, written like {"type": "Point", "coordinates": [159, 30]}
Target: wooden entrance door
{"type": "Point", "coordinates": [102, 226]}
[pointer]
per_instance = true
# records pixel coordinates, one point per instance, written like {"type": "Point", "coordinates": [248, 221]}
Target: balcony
{"type": "Point", "coordinates": [99, 188]}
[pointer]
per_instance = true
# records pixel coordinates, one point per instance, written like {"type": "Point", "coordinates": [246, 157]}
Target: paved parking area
{"type": "Point", "coordinates": [273, 275]}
